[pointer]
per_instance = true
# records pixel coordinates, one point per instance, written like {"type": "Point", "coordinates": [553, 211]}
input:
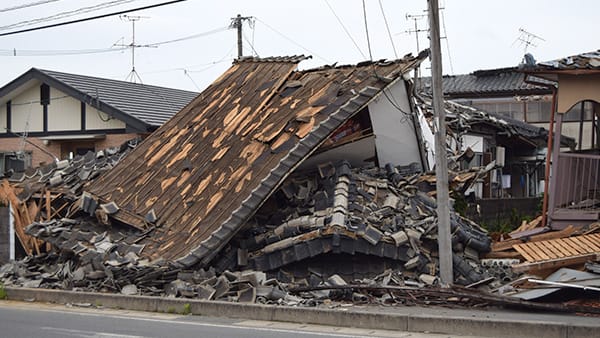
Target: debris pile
{"type": "Point", "coordinates": [370, 220]}
{"type": "Point", "coordinates": [48, 192]}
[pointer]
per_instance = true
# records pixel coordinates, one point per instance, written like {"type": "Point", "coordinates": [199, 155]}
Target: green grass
{"type": "Point", "coordinates": [187, 309]}
{"type": "Point", "coordinates": [2, 291]}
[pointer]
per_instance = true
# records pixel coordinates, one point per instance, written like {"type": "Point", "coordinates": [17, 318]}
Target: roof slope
{"type": "Point", "coordinates": [151, 104]}
{"type": "Point", "coordinates": [589, 61]}
{"type": "Point", "coordinates": [141, 106]}
{"type": "Point", "coordinates": [206, 170]}
{"type": "Point", "coordinates": [486, 83]}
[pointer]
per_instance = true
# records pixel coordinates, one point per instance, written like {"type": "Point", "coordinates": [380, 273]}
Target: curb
{"type": "Point", "coordinates": [402, 320]}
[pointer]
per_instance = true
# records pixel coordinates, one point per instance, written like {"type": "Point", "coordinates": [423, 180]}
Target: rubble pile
{"type": "Point", "coordinates": [370, 220]}
{"type": "Point", "coordinates": [332, 227]}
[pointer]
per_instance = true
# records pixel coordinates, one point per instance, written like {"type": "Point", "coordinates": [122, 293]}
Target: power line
{"type": "Point", "coordinates": [447, 43]}
{"type": "Point", "coordinates": [290, 40]}
{"type": "Point", "coordinates": [56, 52]}
{"type": "Point", "coordinates": [367, 29]}
{"type": "Point", "coordinates": [92, 18]}
{"type": "Point", "coordinates": [345, 30]}
{"type": "Point", "coordinates": [42, 2]}
{"type": "Point", "coordinates": [388, 29]}
{"type": "Point", "coordinates": [217, 30]}
{"type": "Point", "coordinates": [61, 15]}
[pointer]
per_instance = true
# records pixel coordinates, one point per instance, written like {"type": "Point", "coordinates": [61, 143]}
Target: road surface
{"type": "Point", "coordinates": [35, 320]}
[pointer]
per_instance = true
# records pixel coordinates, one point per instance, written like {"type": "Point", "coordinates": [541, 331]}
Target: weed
{"type": "Point", "coordinates": [187, 309]}
{"type": "Point", "coordinates": [171, 310]}
{"type": "Point", "coordinates": [2, 291]}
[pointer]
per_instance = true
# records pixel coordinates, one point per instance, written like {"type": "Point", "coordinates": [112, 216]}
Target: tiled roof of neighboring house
{"type": "Point", "coordinates": [486, 83]}
{"type": "Point", "coordinates": [589, 60]}
{"type": "Point", "coordinates": [461, 118]}
{"type": "Point", "coordinates": [209, 168]}
{"type": "Point", "coordinates": [142, 106]}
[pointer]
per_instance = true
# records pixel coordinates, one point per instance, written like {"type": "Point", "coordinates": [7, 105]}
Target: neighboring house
{"type": "Point", "coordinates": [507, 92]}
{"type": "Point", "coordinates": [205, 172]}
{"type": "Point", "coordinates": [574, 193]}
{"type": "Point", "coordinates": [518, 149]}
{"type": "Point", "coordinates": [47, 115]}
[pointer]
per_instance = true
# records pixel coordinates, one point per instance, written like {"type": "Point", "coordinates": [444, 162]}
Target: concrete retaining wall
{"type": "Point", "coordinates": [402, 320]}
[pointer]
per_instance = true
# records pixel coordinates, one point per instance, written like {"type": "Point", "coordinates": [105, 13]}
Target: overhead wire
{"type": "Point", "coordinates": [194, 36]}
{"type": "Point", "coordinates": [387, 26]}
{"type": "Point", "coordinates": [345, 29]}
{"type": "Point", "coordinates": [290, 40]}
{"type": "Point", "coordinates": [447, 43]}
{"type": "Point", "coordinates": [67, 14]}
{"type": "Point", "coordinates": [367, 30]}
{"type": "Point", "coordinates": [91, 18]}
{"type": "Point", "coordinates": [55, 52]}
{"type": "Point", "coordinates": [31, 4]}
{"type": "Point", "coordinates": [255, 53]}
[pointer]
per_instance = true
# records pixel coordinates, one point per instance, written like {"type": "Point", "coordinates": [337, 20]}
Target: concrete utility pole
{"type": "Point", "coordinates": [441, 160]}
{"type": "Point", "coordinates": [237, 24]}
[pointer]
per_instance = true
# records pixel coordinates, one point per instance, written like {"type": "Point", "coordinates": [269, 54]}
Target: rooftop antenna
{"type": "Point", "coordinates": [416, 30]}
{"type": "Point", "coordinates": [527, 39]}
{"type": "Point", "coordinates": [133, 75]}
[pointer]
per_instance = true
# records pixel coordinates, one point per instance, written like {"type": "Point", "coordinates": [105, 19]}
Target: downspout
{"type": "Point", "coordinates": [549, 147]}
{"type": "Point", "coordinates": [11, 233]}
{"type": "Point", "coordinates": [548, 153]}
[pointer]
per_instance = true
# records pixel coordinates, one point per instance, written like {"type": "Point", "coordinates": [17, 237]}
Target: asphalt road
{"type": "Point", "coordinates": [37, 320]}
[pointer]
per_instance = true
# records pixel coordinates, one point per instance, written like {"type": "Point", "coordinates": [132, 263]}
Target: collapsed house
{"type": "Point", "coordinates": [271, 172]}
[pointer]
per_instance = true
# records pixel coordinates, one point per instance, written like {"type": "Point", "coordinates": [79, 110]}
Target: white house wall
{"type": "Point", "coordinates": [64, 112]}
{"type": "Point", "coordinates": [95, 119]}
{"type": "Point", "coordinates": [27, 113]}
{"type": "Point", "coordinates": [3, 125]}
{"type": "Point", "coordinates": [355, 153]}
{"type": "Point", "coordinates": [394, 131]}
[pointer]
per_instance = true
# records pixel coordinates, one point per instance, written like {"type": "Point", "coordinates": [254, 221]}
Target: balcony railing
{"type": "Point", "coordinates": [577, 182]}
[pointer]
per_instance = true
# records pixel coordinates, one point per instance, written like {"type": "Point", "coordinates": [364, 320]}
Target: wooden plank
{"type": "Point", "coordinates": [539, 249]}
{"type": "Point", "coordinates": [587, 244]}
{"type": "Point", "coordinates": [504, 254]}
{"type": "Point", "coordinates": [576, 245]}
{"type": "Point", "coordinates": [567, 246]}
{"type": "Point", "coordinates": [549, 250]}
{"type": "Point", "coordinates": [509, 243]}
{"type": "Point", "coordinates": [526, 253]}
{"type": "Point", "coordinates": [555, 245]}
{"type": "Point", "coordinates": [555, 263]}
{"type": "Point", "coordinates": [48, 206]}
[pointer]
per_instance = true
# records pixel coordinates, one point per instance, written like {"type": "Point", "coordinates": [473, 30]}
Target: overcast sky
{"type": "Point", "coordinates": [480, 35]}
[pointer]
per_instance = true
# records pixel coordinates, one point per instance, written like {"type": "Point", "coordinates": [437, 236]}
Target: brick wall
{"type": "Point", "coordinates": [38, 156]}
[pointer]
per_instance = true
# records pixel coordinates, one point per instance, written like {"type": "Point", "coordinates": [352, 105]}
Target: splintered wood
{"type": "Point", "coordinates": [558, 252]}
{"type": "Point", "coordinates": [23, 215]}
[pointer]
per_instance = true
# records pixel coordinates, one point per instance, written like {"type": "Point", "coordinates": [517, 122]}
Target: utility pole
{"type": "Point", "coordinates": [236, 23]}
{"type": "Point", "coordinates": [441, 160]}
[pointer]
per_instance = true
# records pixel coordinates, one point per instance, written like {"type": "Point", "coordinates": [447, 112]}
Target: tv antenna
{"type": "Point", "coordinates": [527, 39]}
{"type": "Point", "coordinates": [133, 75]}
{"type": "Point", "coordinates": [416, 30]}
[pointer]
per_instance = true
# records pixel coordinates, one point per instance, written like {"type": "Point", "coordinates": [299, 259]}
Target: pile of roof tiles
{"type": "Point", "coordinates": [376, 214]}
{"type": "Point", "coordinates": [69, 176]}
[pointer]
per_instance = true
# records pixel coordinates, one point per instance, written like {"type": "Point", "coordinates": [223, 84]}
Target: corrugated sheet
{"type": "Point", "coordinates": [150, 104]}
{"type": "Point", "coordinates": [206, 170]}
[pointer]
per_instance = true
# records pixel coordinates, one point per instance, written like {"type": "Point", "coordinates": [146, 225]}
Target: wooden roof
{"type": "Point", "coordinates": [209, 168]}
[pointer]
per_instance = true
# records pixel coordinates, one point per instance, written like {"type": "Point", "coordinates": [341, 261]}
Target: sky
{"type": "Point", "coordinates": [478, 35]}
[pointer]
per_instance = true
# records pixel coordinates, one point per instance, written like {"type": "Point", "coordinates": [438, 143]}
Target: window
{"type": "Point", "coordinates": [574, 114]}
{"type": "Point", "coordinates": [508, 107]}
{"type": "Point", "coordinates": [539, 111]}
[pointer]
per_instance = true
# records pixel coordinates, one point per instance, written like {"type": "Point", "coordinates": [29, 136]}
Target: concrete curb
{"type": "Point", "coordinates": [402, 320]}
